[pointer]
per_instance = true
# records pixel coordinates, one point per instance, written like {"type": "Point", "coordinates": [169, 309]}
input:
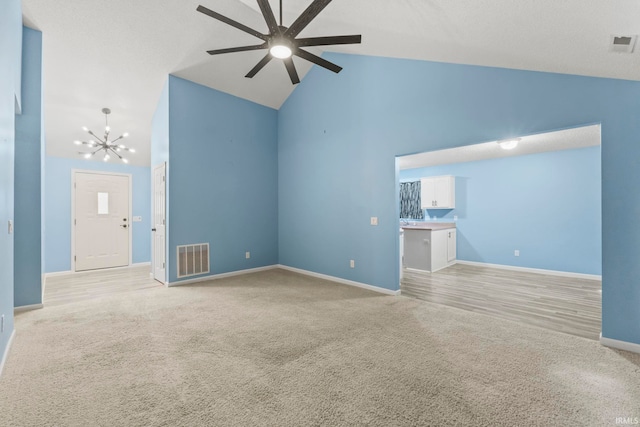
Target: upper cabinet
{"type": "Point", "coordinates": [438, 192]}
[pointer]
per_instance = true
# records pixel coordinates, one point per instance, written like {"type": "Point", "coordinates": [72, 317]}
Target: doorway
{"type": "Point", "coordinates": [101, 206]}
{"type": "Point", "coordinates": [527, 217]}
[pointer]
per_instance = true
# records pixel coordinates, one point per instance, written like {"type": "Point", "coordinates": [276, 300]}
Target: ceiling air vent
{"type": "Point", "coordinates": [622, 44]}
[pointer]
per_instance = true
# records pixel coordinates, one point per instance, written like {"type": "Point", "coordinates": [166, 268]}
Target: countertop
{"type": "Point", "coordinates": [428, 226]}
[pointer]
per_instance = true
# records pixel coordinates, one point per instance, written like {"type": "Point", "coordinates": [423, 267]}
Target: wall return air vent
{"type": "Point", "coordinates": [193, 259]}
{"type": "Point", "coordinates": [622, 44]}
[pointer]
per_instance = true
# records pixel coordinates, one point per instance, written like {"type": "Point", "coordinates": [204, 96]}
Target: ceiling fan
{"type": "Point", "coordinates": [282, 41]}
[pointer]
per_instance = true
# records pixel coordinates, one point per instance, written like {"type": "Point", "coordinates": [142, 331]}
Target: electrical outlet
{"type": "Point", "coordinates": [374, 220]}
{"type": "Point", "coordinates": [516, 253]}
{"type": "Point", "coordinates": [455, 217]}
{"type": "Point", "coordinates": [352, 264]}
{"type": "Point", "coordinates": [247, 255]}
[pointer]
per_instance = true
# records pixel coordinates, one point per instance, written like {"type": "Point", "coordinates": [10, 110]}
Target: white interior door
{"type": "Point", "coordinates": [159, 221]}
{"type": "Point", "coordinates": [101, 220]}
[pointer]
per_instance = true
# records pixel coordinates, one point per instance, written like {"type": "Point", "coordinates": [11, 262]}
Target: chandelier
{"type": "Point", "coordinates": [98, 145]}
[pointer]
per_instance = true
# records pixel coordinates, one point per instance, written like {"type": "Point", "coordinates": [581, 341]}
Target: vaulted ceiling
{"type": "Point", "coordinates": [118, 54]}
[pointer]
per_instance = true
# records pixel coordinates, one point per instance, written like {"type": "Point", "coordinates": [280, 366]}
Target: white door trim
{"type": "Point", "coordinates": [162, 166]}
{"type": "Point", "coordinates": [73, 211]}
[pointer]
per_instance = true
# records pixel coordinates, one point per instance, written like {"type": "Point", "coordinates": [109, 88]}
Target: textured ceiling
{"type": "Point", "coordinates": [118, 53]}
{"type": "Point", "coordinates": [567, 139]}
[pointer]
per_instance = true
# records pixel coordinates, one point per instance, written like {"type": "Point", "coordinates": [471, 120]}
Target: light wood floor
{"type": "Point", "coordinates": [559, 303]}
{"type": "Point", "coordinates": [562, 304]}
{"type": "Point", "coordinates": [69, 288]}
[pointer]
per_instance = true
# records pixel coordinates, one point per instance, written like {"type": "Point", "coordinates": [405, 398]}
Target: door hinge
{"type": "Point", "coordinates": [74, 222]}
{"type": "Point", "coordinates": [74, 185]}
{"type": "Point", "coordinates": [74, 257]}
{"type": "Point", "coordinates": [163, 179]}
{"type": "Point", "coordinates": [163, 265]}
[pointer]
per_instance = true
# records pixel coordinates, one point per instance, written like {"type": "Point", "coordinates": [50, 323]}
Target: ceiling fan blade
{"type": "Point", "coordinates": [324, 41]}
{"type": "Point", "coordinates": [260, 65]}
{"type": "Point", "coordinates": [291, 69]}
{"type": "Point", "coordinates": [237, 49]}
{"type": "Point", "coordinates": [269, 17]}
{"type": "Point", "coordinates": [305, 17]}
{"type": "Point", "coordinates": [229, 21]}
{"type": "Point", "coordinates": [317, 60]}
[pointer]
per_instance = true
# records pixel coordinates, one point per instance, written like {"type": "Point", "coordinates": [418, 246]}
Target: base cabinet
{"type": "Point", "coordinates": [451, 245]}
{"type": "Point", "coordinates": [429, 250]}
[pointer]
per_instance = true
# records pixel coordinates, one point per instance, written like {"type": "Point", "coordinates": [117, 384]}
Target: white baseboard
{"type": "Point", "coordinates": [340, 280]}
{"type": "Point", "coordinates": [6, 351]}
{"type": "Point", "coordinates": [140, 264]}
{"type": "Point", "coordinates": [621, 345]}
{"type": "Point", "coordinates": [533, 270]}
{"type": "Point", "coordinates": [220, 276]}
{"type": "Point", "coordinates": [58, 273]}
{"type": "Point", "coordinates": [30, 307]}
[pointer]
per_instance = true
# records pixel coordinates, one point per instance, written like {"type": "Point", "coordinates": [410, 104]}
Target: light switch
{"type": "Point", "coordinates": [374, 220]}
{"type": "Point", "coordinates": [137, 219]}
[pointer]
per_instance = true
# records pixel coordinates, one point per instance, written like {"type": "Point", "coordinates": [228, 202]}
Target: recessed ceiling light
{"type": "Point", "coordinates": [509, 144]}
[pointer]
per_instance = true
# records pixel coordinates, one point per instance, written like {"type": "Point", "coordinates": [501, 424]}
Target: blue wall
{"type": "Point", "coordinates": [10, 69]}
{"type": "Point", "coordinates": [160, 130]}
{"type": "Point", "coordinates": [58, 209]}
{"type": "Point", "coordinates": [28, 150]}
{"type": "Point", "coordinates": [223, 177]}
{"type": "Point", "coordinates": [545, 205]}
{"type": "Point", "coordinates": [339, 135]}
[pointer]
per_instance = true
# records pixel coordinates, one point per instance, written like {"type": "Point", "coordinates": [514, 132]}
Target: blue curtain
{"type": "Point", "coordinates": [410, 200]}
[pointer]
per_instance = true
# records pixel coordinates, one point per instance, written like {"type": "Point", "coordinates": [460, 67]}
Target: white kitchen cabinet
{"type": "Point", "coordinates": [451, 245]}
{"type": "Point", "coordinates": [438, 192]}
{"type": "Point", "coordinates": [429, 250]}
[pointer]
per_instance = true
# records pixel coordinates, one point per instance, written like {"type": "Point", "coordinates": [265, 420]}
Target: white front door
{"type": "Point", "coordinates": [159, 221]}
{"type": "Point", "coordinates": [101, 220]}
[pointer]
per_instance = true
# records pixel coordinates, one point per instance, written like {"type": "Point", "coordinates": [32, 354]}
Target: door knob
{"type": "Point", "coordinates": [123, 225]}
{"type": "Point", "coordinates": [153, 229]}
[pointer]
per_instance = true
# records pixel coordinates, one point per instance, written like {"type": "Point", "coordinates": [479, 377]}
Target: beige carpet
{"type": "Point", "coordinates": [281, 349]}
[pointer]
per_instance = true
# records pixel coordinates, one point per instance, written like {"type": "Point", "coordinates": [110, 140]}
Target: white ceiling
{"type": "Point", "coordinates": [567, 139]}
{"type": "Point", "coordinates": [118, 54]}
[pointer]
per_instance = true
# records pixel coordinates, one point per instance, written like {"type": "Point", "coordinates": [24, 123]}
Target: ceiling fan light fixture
{"type": "Point", "coordinates": [509, 144]}
{"type": "Point", "coordinates": [282, 42]}
{"type": "Point", "coordinates": [280, 51]}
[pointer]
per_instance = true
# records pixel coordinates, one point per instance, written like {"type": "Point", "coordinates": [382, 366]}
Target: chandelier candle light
{"type": "Point", "coordinates": [104, 144]}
